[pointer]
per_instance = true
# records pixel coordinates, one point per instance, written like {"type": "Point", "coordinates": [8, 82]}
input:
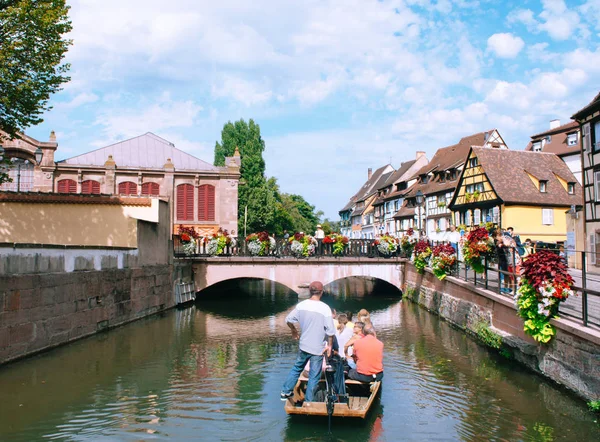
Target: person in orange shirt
{"type": "Point", "coordinates": [369, 357]}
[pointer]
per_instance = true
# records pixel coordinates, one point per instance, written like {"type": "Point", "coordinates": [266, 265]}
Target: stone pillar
{"type": "Point", "coordinates": [109, 177]}
{"type": "Point", "coordinates": [168, 185]}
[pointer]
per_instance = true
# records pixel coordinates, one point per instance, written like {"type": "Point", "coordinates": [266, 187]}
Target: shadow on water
{"type": "Point", "coordinates": [246, 298]}
{"type": "Point", "coordinates": [355, 293]}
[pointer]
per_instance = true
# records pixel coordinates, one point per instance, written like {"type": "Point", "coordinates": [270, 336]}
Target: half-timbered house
{"type": "Point", "coordinates": [529, 191]}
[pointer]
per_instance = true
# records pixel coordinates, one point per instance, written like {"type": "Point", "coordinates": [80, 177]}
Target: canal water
{"type": "Point", "coordinates": [214, 372]}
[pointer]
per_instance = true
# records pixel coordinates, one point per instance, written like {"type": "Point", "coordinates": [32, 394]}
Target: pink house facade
{"type": "Point", "coordinates": [199, 194]}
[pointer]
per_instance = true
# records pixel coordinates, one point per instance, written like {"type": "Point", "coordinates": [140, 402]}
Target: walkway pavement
{"type": "Point", "coordinates": [572, 307]}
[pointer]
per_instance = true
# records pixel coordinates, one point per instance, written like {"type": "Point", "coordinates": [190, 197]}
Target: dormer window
{"type": "Point", "coordinates": [543, 186]}
{"type": "Point", "coordinates": [537, 146]}
{"type": "Point", "coordinates": [571, 188]}
{"type": "Point", "coordinates": [453, 174]}
{"type": "Point", "coordinates": [443, 177]}
{"type": "Point", "coordinates": [572, 139]}
{"type": "Point", "coordinates": [425, 179]}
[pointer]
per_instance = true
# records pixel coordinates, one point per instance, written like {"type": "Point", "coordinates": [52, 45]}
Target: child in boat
{"type": "Point", "coordinates": [358, 334]}
{"type": "Point", "coordinates": [343, 333]}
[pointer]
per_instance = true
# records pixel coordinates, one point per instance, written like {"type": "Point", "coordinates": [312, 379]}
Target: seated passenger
{"type": "Point", "coordinates": [368, 352]}
{"type": "Point", "coordinates": [350, 324]}
{"type": "Point", "coordinates": [343, 333]}
{"type": "Point", "coordinates": [358, 333]}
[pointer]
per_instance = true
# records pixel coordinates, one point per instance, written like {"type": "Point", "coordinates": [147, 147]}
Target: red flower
{"type": "Point", "coordinates": [185, 237]}
{"type": "Point", "coordinates": [544, 266]}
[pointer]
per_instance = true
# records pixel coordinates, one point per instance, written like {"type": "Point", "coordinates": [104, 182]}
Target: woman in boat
{"type": "Point", "coordinates": [343, 333]}
{"type": "Point", "coordinates": [358, 334]}
{"type": "Point", "coordinates": [368, 352]}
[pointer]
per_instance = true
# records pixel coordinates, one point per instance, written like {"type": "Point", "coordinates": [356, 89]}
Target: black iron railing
{"type": "Point", "coordinates": [365, 248]}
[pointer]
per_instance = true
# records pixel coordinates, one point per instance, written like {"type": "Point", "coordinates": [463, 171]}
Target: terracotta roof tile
{"type": "Point", "coordinates": [508, 172]}
{"type": "Point", "coordinates": [71, 198]}
{"type": "Point", "coordinates": [558, 140]}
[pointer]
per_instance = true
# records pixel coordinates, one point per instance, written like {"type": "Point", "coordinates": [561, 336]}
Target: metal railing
{"type": "Point", "coordinates": [364, 248]}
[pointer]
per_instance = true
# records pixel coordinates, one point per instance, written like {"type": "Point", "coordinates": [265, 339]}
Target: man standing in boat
{"type": "Point", "coordinates": [369, 357]}
{"type": "Point", "coordinates": [316, 321]}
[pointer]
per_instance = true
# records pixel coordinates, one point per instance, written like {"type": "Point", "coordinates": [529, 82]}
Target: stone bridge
{"type": "Point", "coordinates": [296, 274]}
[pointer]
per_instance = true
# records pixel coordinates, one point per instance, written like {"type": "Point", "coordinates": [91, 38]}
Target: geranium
{"type": "Point", "coordinates": [443, 259]}
{"type": "Point", "coordinates": [477, 246]}
{"type": "Point", "coordinates": [545, 283]}
{"type": "Point", "coordinates": [188, 236]}
{"type": "Point", "coordinates": [260, 244]}
{"type": "Point", "coordinates": [217, 243]}
{"type": "Point", "coordinates": [302, 245]}
{"type": "Point", "coordinates": [408, 241]}
{"type": "Point", "coordinates": [422, 254]}
{"type": "Point", "coordinates": [386, 244]}
{"type": "Point", "coordinates": [339, 242]}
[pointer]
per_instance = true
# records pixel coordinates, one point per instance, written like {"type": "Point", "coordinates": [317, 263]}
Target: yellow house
{"type": "Point", "coordinates": [529, 191]}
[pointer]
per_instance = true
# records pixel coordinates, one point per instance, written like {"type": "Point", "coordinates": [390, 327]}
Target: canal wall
{"type": "Point", "coordinates": [51, 295]}
{"type": "Point", "coordinates": [571, 359]}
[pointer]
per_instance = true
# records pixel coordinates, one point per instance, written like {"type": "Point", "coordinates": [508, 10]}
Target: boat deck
{"type": "Point", "coordinates": [358, 406]}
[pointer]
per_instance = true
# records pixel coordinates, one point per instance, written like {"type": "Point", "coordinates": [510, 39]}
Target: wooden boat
{"type": "Point", "coordinates": [361, 397]}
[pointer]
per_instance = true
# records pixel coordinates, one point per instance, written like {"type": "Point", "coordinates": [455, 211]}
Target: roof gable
{"type": "Point", "coordinates": [144, 151]}
{"type": "Point", "coordinates": [510, 173]}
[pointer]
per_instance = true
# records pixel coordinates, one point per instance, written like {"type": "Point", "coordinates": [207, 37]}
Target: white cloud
{"type": "Point", "coordinates": [154, 117]}
{"type": "Point", "coordinates": [559, 21]}
{"type": "Point", "coordinates": [505, 45]}
{"type": "Point", "coordinates": [79, 100]}
{"type": "Point", "coordinates": [241, 90]}
{"type": "Point", "coordinates": [523, 16]}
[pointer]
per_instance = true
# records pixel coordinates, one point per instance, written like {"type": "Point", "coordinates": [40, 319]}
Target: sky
{"type": "Point", "coordinates": [337, 86]}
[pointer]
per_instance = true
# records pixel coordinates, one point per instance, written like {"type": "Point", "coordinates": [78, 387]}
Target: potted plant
{"type": "Point", "coordinates": [386, 245]}
{"type": "Point", "coordinates": [218, 242]}
{"type": "Point", "coordinates": [422, 254]}
{"type": "Point", "coordinates": [339, 243]}
{"type": "Point", "coordinates": [476, 195]}
{"type": "Point", "coordinates": [545, 283]}
{"type": "Point", "coordinates": [407, 243]}
{"type": "Point", "coordinates": [260, 244]}
{"type": "Point", "coordinates": [188, 237]}
{"type": "Point", "coordinates": [442, 260]}
{"type": "Point", "coordinates": [468, 196]}
{"type": "Point", "coordinates": [477, 245]}
{"type": "Point", "coordinates": [302, 245]}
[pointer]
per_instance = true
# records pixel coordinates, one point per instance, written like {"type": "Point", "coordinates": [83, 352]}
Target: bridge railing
{"type": "Point", "coordinates": [364, 248]}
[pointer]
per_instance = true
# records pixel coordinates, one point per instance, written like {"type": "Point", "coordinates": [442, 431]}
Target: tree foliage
{"type": "Point", "coordinates": [32, 47]}
{"type": "Point", "coordinates": [267, 207]}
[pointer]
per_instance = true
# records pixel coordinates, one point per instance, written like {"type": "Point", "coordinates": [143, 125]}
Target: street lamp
{"type": "Point", "coordinates": [38, 156]}
{"type": "Point", "coordinates": [420, 198]}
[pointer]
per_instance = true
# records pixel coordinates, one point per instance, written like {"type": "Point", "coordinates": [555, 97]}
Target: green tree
{"type": "Point", "coordinates": [32, 47]}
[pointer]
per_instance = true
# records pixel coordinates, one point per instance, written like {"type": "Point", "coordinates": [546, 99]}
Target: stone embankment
{"type": "Point", "coordinates": [571, 359]}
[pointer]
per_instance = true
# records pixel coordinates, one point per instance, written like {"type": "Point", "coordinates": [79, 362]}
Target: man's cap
{"type": "Point", "coordinates": [318, 225]}
{"type": "Point", "coordinates": [315, 286]}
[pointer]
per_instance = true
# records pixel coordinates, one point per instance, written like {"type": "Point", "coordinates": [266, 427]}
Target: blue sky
{"type": "Point", "coordinates": [336, 86]}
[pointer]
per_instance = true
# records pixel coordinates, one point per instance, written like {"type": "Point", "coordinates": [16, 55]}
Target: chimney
{"type": "Point", "coordinates": [52, 136]}
{"type": "Point", "coordinates": [420, 154]}
{"type": "Point", "coordinates": [370, 173]}
{"type": "Point", "coordinates": [554, 124]}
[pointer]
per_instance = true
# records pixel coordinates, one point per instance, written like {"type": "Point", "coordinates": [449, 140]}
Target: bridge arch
{"type": "Point", "coordinates": [293, 273]}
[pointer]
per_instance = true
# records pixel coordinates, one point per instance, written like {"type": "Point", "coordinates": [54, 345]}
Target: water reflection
{"type": "Point", "coordinates": [214, 372]}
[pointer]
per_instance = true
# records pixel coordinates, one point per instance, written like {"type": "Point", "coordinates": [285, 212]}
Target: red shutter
{"type": "Point", "coordinates": [185, 202]}
{"type": "Point", "coordinates": [127, 188]}
{"type": "Point", "coordinates": [206, 203]}
{"type": "Point", "coordinates": [67, 186]}
{"type": "Point", "coordinates": [150, 189]}
{"type": "Point", "coordinates": [90, 187]}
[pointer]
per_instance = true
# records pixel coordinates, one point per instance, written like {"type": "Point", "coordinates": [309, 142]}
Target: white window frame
{"type": "Point", "coordinates": [597, 185]}
{"type": "Point", "coordinates": [571, 188]}
{"type": "Point", "coordinates": [537, 146]}
{"type": "Point", "coordinates": [572, 139]}
{"type": "Point", "coordinates": [543, 186]}
{"type": "Point", "coordinates": [547, 216]}
{"type": "Point", "coordinates": [476, 217]}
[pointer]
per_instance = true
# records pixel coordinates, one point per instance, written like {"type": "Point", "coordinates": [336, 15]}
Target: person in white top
{"type": "Point", "coordinates": [343, 333]}
{"type": "Point", "coordinates": [454, 237]}
{"type": "Point", "coordinates": [319, 233]}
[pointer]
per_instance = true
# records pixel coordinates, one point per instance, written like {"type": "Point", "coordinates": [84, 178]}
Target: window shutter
{"type": "Point", "coordinates": [586, 139]}
{"type": "Point", "coordinates": [150, 189]}
{"type": "Point", "coordinates": [477, 217]}
{"type": "Point", "coordinates": [185, 202]}
{"type": "Point", "coordinates": [127, 188]}
{"type": "Point", "coordinates": [597, 185]}
{"type": "Point", "coordinates": [593, 249]}
{"type": "Point", "coordinates": [90, 187]}
{"type": "Point", "coordinates": [67, 186]}
{"type": "Point", "coordinates": [206, 203]}
{"type": "Point", "coordinates": [547, 217]}
{"type": "Point", "coordinates": [468, 218]}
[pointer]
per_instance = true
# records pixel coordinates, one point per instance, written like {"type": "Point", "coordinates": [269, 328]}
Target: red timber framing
{"type": "Point", "coordinates": [206, 203]}
{"type": "Point", "coordinates": [90, 187]}
{"type": "Point", "coordinates": [66, 186]}
{"type": "Point", "coordinates": [185, 202]}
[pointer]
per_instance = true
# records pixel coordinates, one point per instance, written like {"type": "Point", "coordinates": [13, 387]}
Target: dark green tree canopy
{"type": "Point", "coordinates": [32, 47]}
{"type": "Point", "coordinates": [267, 207]}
